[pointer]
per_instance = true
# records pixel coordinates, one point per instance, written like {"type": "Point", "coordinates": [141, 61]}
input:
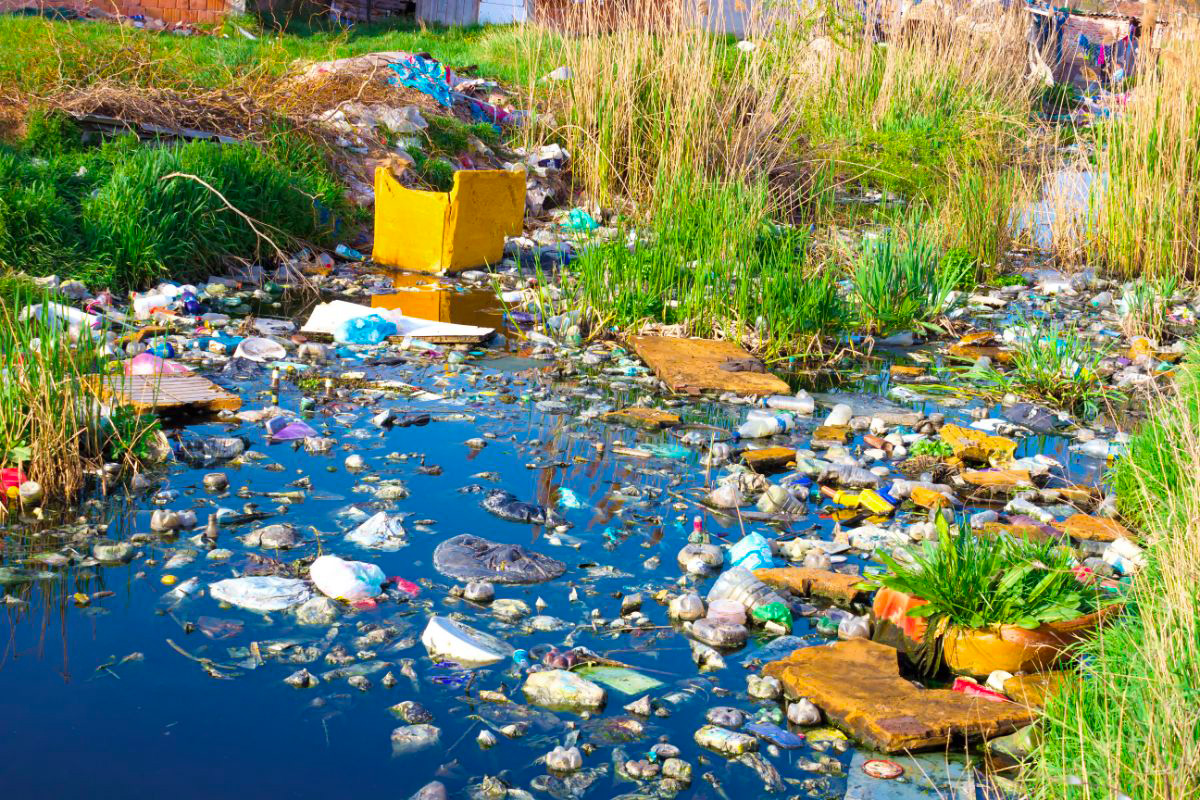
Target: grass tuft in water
{"type": "Point", "coordinates": [903, 282]}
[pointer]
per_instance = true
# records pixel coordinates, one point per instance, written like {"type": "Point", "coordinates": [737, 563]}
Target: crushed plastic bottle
{"type": "Point", "coordinates": [739, 583]}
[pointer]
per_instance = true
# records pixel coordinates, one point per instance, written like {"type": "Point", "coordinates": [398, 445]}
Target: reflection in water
{"type": "Point", "coordinates": [430, 298]}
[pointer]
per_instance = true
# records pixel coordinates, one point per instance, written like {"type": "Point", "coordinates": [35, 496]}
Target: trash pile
{"type": "Point", "coordinates": [729, 603]}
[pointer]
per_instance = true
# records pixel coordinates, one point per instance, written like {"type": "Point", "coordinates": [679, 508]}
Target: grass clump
{"type": "Point", "coordinates": [974, 581]}
{"type": "Point", "coordinates": [977, 582]}
{"type": "Point", "coordinates": [1059, 365]}
{"type": "Point", "coordinates": [51, 133]}
{"type": "Point", "coordinates": [123, 216]}
{"type": "Point", "coordinates": [904, 283]}
{"type": "Point", "coordinates": [1127, 726]}
{"type": "Point", "coordinates": [717, 267]}
{"type": "Point", "coordinates": [1144, 305]}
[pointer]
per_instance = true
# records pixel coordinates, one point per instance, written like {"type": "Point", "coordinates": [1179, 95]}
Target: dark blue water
{"type": "Point", "coordinates": [76, 723]}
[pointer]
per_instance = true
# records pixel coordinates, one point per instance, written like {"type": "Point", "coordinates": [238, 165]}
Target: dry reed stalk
{"type": "Point", "coordinates": [1149, 198]}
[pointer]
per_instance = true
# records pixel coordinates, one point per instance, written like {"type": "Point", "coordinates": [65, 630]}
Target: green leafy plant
{"type": "Point", "coordinates": [1145, 303]}
{"type": "Point", "coordinates": [973, 582]}
{"type": "Point", "coordinates": [931, 447]}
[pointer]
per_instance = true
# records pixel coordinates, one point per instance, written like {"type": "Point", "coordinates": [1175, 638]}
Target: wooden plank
{"type": "Point", "coordinates": [694, 365]}
{"type": "Point", "coordinates": [158, 393]}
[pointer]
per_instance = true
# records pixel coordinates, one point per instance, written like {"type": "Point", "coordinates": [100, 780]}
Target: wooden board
{"type": "Point", "coordinates": [158, 393]}
{"type": "Point", "coordinates": [694, 365]}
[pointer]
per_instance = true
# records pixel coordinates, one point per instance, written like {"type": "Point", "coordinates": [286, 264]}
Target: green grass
{"type": "Point", "coordinates": [112, 217]}
{"type": "Point", "coordinates": [975, 581]}
{"type": "Point", "coordinates": [1057, 364]}
{"type": "Point", "coordinates": [715, 265]}
{"type": "Point", "coordinates": [904, 283]}
{"type": "Point", "coordinates": [1128, 726]}
{"type": "Point", "coordinates": [38, 55]}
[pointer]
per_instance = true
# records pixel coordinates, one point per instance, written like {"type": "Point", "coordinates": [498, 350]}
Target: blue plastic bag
{"type": "Point", "coordinates": [371, 329]}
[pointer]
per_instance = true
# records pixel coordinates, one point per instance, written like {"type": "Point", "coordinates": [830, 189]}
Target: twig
{"type": "Point", "coordinates": [249, 221]}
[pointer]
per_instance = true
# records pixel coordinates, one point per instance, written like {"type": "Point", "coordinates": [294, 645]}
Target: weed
{"type": "Point", "coordinates": [1149, 206]}
{"type": "Point", "coordinates": [1010, 280]}
{"type": "Point", "coordinates": [111, 216]}
{"type": "Point", "coordinates": [1144, 305]}
{"type": "Point", "coordinates": [51, 133]}
{"type": "Point", "coordinates": [978, 581]}
{"type": "Point", "coordinates": [716, 267]}
{"type": "Point", "coordinates": [975, 216]}
{"type": "Point", "coordinates": [931, 447]}
{"type": "Point", "coordinates": [904, 284]}
{"type": "Point", "coordinates": [1059, 365]}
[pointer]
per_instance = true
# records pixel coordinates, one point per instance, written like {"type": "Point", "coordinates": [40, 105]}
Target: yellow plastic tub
{"type": "Point", "coordinates": [441, 232]}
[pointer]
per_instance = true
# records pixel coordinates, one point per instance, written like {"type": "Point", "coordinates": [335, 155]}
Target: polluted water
{"type": "Point", "coordinates": [448, 570]}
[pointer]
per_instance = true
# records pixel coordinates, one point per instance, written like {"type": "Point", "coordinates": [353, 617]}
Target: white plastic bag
{"type": "Point", "coordinates": [346, 580]}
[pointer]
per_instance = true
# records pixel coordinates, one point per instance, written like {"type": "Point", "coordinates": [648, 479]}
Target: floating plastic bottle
{"type": "Point", "coordinates": [800, 404]}
{"type": "Point", "coordinates": [851, 477]}
{"type": "Point", "coordinates": [759, 426]}
{"type": "Point", "coordinates": [739, 583]}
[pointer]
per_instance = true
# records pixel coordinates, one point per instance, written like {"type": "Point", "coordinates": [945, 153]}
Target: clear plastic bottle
{"type": "Point", "coordinates": [739, 583]}
{"type": "Point", "coordinates": [802, 403]}
{"type": "Point", "coordinates": [851, 477]}
{"type": "Point", "coordinates": [759, 425]}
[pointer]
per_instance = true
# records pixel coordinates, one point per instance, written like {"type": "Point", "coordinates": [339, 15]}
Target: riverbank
{"type": "Point", "coordinates": [1128, 726]}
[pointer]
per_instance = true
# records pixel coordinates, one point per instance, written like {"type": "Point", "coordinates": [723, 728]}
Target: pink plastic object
{"type": "Point", "coordinates": [283, 430]}
{"type": "Point", "coordinates": [727, 611]}
{"type": "Point", "coordinates": [973, 689]}
{"type": "Point", "coordinates": [408, 587]}
{"type": "Point", "coordinates": [10, 478]}
{"type": "Point", "coordinates": [150, 364]}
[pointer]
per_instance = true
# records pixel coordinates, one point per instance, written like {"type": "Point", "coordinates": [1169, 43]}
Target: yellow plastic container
{"type": "Point", "coordinates": [440, 232]}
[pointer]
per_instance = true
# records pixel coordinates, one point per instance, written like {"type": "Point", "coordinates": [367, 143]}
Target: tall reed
{"type": "Point", "coordinates": [1148, 191]}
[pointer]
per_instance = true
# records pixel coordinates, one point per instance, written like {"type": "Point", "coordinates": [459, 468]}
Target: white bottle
{"type": "Point", "coordinates": [802, 403]}
{"type": "Point", "coordinates": [757, 427]}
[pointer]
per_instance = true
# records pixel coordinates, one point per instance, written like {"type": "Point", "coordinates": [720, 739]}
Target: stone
{"type": "Point", "coordinates": [564, 759]}
{"type": "Point", "coordinates": [631, 603]}
{"type": "Point", "coordinates": [412, 712]}
{"type": "Point", "coordinates": [510, 609]}
{"type": "Point", "coordinates": [302, 679]}
{"type": "Point", "coordinates": [686, 607]}
{"type": "Point", "coordinates": [725, 717]}
{"type": "Point", "coordinates": [809, 581]}
{"type": "Point", "coordinates": [641, 706]}
{"type": "Point", "coordinates": [677, 769]}
{"type": "Point", "coordinates": [803, 712]}
{"type": "Point", "coordinates": [649, 418]}
{"type": "Point", "coordinates": [1034, 690]}
{"type": "Point", "coordinates": [763, 688]}
{"type": "Point", "coordinates": [726, 742]}
{"type": "Point", "coordinates": [480, 592]}
{"type": "Point", "coordinates": [1096, 529]}
{"type": "Point", "coordinates": [700, 559]}
{"type": "Point", "coordinates": [857, 684]}
{"type": "Point", "coordinates": [560, 690]}
{"type": "Point", "coordinates": [998, 478]}
{"type": "Point", "coordinates": [273, 537]}
{"type": "Point", "coordinates": [434, 790]}
{"type": "Point", "coordinates": [414, 738]}
{"type": "Point", "coordinates": [828, 436]}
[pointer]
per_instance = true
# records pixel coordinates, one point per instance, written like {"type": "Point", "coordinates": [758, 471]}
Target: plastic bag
{"type": "Point", "coordinates": [774, 612]}
{"type": "Point", "coordinates": [283, 429]}
{"type": "Point", "coordinates": [346, 580]}
{"type": "Point", "coordinates": [371, 329]}
{"type": "Point", "coordinates": [150, 364]}
{"type": "Point", "coordinates": [256, 348]}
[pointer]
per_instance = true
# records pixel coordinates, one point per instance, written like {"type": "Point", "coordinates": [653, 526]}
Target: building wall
{"type": "Point", "coordinates": [169, 11]}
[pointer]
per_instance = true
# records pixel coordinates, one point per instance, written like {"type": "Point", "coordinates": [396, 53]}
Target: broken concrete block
{"type": "Point", "coordinates": [857, 684]}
